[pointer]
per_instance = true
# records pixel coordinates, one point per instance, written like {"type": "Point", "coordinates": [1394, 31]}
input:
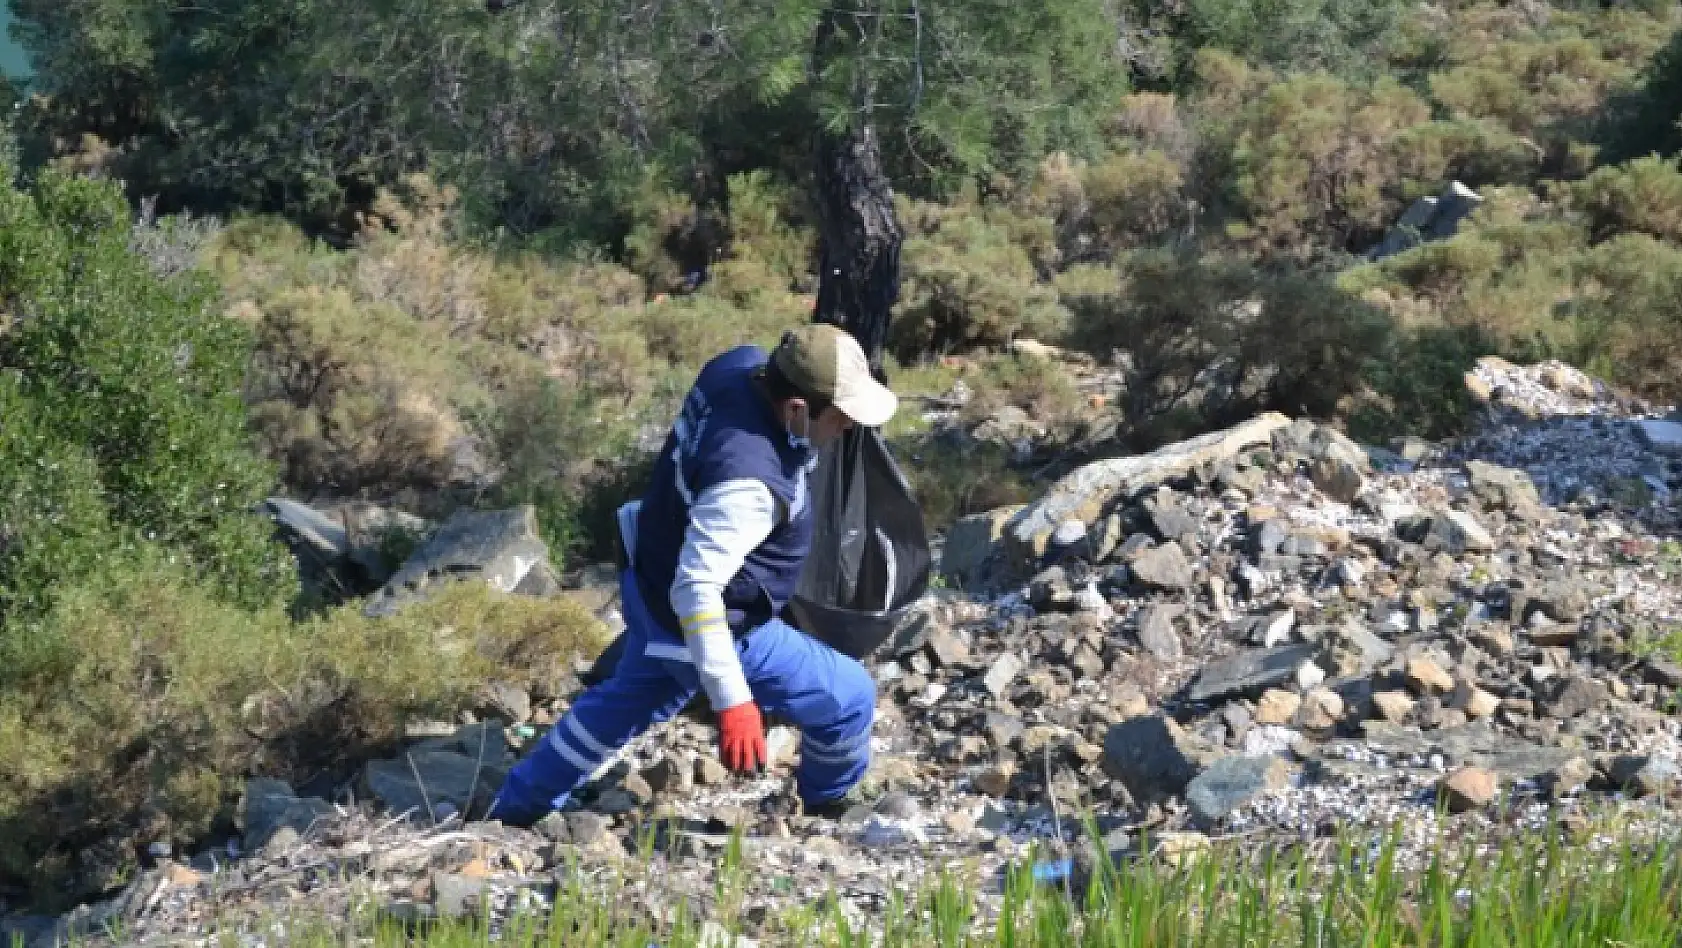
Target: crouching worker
{"type": "Point", "coordinates": [718, 546]}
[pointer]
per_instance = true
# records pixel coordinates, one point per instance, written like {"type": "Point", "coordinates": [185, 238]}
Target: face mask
{"type": "Point", "coordinates": [802, 441]}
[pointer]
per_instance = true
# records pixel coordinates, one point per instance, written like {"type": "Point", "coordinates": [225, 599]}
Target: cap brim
{"type": "Point", "coordinates": [871, 404]}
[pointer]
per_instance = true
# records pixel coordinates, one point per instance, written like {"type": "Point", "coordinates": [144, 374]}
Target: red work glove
{"type": "Point", "coordinates": [741, 739]}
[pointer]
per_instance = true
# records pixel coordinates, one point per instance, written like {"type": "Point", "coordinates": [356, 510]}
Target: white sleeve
{"type": "Point", "coordinates": [727, 522]}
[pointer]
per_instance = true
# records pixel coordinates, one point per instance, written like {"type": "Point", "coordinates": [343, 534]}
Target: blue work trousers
{"type": "Point", "coordinates": [828, 696]}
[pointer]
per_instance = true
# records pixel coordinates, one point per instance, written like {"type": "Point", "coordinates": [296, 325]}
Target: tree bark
{"type": "Point", "coordinates": [859, 235]}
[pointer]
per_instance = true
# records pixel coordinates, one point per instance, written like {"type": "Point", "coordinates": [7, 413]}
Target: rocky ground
{"type": "Point", "coordinates": [1270, 632]}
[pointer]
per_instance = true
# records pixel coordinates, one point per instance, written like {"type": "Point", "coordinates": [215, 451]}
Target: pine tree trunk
{"type": "Point", "coordinates": [859, 238]}
{"type": "Point", "coordinates": [858, 233]}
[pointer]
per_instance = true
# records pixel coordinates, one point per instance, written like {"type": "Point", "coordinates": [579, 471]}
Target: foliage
{"type": "Point", "coordinates": [172, 696]}
{"type": "Point", "coordinates": [1643, 197]}
{"type": "Point", "coordinates": [1631, 311]}
{"type": "Point", "coordinates": [128, 385]}
{"type": "Point", "coordinates": [971, 280]}
{"type": "Point", "coordinates": [1209, 341]}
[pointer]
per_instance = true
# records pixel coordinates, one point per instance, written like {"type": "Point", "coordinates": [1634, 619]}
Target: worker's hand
{"type": "Point", "coordinates": [741, 739]}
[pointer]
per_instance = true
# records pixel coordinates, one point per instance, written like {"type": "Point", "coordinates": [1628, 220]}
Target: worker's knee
{"type": "Point", "coordinates": [855, 695]}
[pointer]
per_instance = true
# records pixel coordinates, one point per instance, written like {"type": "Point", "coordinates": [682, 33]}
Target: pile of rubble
{"type": "Point", "coordinates": [1269, 630]}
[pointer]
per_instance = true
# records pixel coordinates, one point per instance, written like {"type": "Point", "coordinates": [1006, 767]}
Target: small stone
{"type": "Point", "coordinates": [1476, 702]}
{"type": "Point", "coordinates": [946, 650]}
{"type": "Point", "coordinates": [586, 828]}
{"type": "Point", "coordinates": [1157, 633]}
{"type": "Point", "coordinates": [614, 802]}
{"type": "Point", "coordinates": [457, 896]}
{"type": "Point", "coordinates": [1337, 479]}
{"type": "Point", "coordinates": [666, 775]}
{"type": "Point", "coordinates": [959, 823]}
{"type": "Point", "coordinates": [1426, 677]}
{"type": "Point", "coordinates": [1662, 672]}
{"type": "Point", "coordinates": [1277, 707]}
{"type": "Point", "coordinates": [999, 676]}
{"type": "Point", "coordinates": [1568, 778]}
{"type": "Point", "coordinates": [1165, 567]}
{"type": "Point", "coordinates": [1321, 710]}
{"type": "Point", "coordinates": [638, 788]}
{"type": "Point", "coordinates": [710, 772]}
{"type": "Point", "coordinates": [1274, 629]}
{"type": "Point", "coordinates": [898, 805]}
{"type": "Point", "coordinates": [995, 781]}
{"type": "Point", "coordinates": [1468, 788]}
{"type": "Point", "coordinates": [1392, 706]}
{"type": "Point", "coordinates": [1309, 675]}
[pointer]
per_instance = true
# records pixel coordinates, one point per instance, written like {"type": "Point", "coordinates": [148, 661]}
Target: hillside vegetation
{"type": "Point", "coordinates": [421, 255]}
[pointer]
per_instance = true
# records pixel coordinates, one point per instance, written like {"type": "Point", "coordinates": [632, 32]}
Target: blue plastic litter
{"type": "Point", "coordinates": [1053, 871]}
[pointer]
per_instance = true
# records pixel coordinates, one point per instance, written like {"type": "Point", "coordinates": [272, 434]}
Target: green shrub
{"type": "Point", "coordinates": [1643, 196]}
{"type": "Point", "coordinates": [1315, 162]}
{"type": "Point", "coordinates": [1629, 315]}
{"type": "Point", "coordinates": [1209, 341]}
{"type": "Point", "coordinates": [969, 280]}
{"type": "Point", "coordinates": [172, 696]}
{"type": "Point", "coordinates": [140, 377]}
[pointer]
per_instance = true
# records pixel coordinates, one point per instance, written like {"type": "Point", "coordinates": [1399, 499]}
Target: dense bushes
{"type": "Point", "coordinates": [1208, 341]}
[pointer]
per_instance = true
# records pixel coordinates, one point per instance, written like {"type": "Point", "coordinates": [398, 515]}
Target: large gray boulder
{"type": "Point", "coordinates": [1083, 494]}
{"type": "Point", "coordinates": [270, 805]}
{"type": "Point", "coordinates": [1429, 218]}
{"type": "Point", "coordinates": [1231, 782]}
{"type": "Point", "coordinates": [500, 548]}
{"type": "Point", "coordinates": [1153, 756]}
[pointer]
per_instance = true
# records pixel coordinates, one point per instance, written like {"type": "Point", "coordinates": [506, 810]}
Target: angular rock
{"type": "Point", "coordinates": [1501, 487]}
{"type": "Point", "coordinates": [1152, 756]}
{"type": "Point", "coordinates": [1477, 744]}
{"type": "Point", "coordinates": [1277, 707]}
{"type": "Point", "coordinates": [1468, 788]}
{"type": "Point", "coordinates": [1568, 778]}
{"type": "Point", "coordinates": [504, 700]}
{"type": "Point", "coordinates": [946, 650]}
{"type": "Point", "coordinates": [1321, 710]}
{"type": "Point", "coordinates": [271, 805]}
{"type": "Point", "coordinates": [1662, 672]}
{"type": "Point", "coordinates": [1171, 522]}
{"type": "Point", "coordinates": [1338, 479]}
{"type": "Point", "coordinates": [999, 676]}
{"type": "Point", "coordinates": [420, 782]}
{"type": "Point", "coordinates": [1083, 494]}
{"type": "Point", "coordinates": [459, 896]}
{"type": "Point", "coordinates": [1165, 567]}
{"type": "Point", "coordinates": [1230, 782]}
{"type": "Point", "coordinates": [1157, 633]}
{"type": "Point", "coordinates": [1456, 532]}
{"type": "Point", "coordinates": [1249, 670]}
{"type": "Point", "coordinates": [1574, 695]}
{"type": "Point", "coordinates": [1392, 706]}
{"type": "Point", "coordinates": [501, 548]}
{"type": "Point", "coordinates": [1426, 677]}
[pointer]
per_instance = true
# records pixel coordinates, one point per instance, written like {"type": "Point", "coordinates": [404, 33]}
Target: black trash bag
{"type": "Point", "coordinates": [870, 555]}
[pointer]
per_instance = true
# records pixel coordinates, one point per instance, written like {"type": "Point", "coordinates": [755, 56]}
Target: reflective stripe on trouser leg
{"type": "Point", "coordinates": [641, 692]}
{"type": "Point", "coordinates": [829, 696]}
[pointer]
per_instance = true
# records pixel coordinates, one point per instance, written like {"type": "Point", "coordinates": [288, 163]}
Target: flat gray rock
{"type": "Point", "coordinates": [1249, 670]}
{"type": "Point", "coordinates": [1231, 782]}
{"type": "Point", "coordinates": [500, 548]}
{"type": "Point", "coordinates": [1476, 744]}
